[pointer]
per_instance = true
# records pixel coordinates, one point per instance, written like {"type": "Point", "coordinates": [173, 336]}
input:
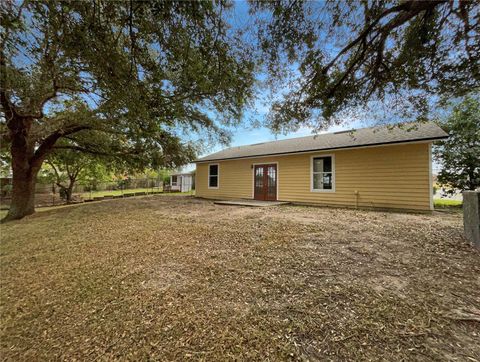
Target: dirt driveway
{"type": "Point", "coordinates": [177, 278]}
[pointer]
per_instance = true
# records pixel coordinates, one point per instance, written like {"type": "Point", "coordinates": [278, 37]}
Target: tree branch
{"type": "Point", "coordinates": [82, 149]}
{"type": "Point", "coordinates": [8, 108]}
{"type": "Point", "coordinates": [96, 152]}
{"type": "Point", "coordinates": [405, 12]}
{"type": "Point", "coordinates": [413, 7]}
{"type": "Point", "coordinates": [57, 174]}
{"type": "Point", "coordinates": [47, 144]}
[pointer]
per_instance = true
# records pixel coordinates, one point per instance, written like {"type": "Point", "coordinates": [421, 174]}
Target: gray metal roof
{"type": "Point", "coordinates": [410, 132]}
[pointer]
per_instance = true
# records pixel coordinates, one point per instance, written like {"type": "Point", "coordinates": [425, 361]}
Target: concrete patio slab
{"type": "Point", "coordinates": [251, 203]}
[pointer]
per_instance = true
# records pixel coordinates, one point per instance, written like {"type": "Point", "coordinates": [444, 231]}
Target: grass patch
{"type": "Point", "coordinates": [89, 195]}
{"type": "Point", "coordinates": [175, 278]}
{"type": "Point", "coordinates": [3, 213]}
{"type": "Point", "coordinates": [447, 203]}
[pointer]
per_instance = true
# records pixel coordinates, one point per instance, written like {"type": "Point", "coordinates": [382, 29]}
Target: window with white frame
{"type": "Point", "coordinates": [213, 176]}
{"type": "Point", "coordinates": [323, 173]}
{"type": "Point", "coordinates": [174, 181]}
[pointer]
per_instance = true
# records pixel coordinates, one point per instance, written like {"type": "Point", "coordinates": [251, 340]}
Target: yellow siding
{"type": "Point", "coordinates": [385, 177]}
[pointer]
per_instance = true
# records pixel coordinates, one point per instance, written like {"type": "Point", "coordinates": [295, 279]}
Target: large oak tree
{"type": "Point", "coordinates": [118, 78]}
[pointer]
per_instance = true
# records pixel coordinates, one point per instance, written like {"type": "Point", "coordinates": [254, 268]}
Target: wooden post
{"type": "Point", "coordinates": [471, 216]}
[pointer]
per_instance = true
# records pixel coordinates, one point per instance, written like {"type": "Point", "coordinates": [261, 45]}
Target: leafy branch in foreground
{"type": "Point", "coordinates": [402, 55]}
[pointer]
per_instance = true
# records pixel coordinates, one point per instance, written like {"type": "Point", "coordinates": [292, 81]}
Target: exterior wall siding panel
{"type": "Point", "coordinates": [396, 177]}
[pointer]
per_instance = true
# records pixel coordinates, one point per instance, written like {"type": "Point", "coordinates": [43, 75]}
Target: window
{"type": "Point", "coordinates": [213, 176]}
{"type": "Point", "coordinates": [174, 180]}
{"type": "Point", "coordinates": [323, 173]}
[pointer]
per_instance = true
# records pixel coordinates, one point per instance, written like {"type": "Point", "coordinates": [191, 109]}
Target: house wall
{"type": "Point", "coordinates": [397, 176]}
{"type": "Point", "coordinates": [186, 185]}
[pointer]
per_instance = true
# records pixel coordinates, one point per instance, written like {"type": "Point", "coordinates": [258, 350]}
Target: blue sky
{"type": "Point", "coordinates": [247, 134]}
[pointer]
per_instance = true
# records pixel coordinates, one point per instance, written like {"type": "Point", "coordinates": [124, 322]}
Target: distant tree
{"type": "Point", "coordinates": [459, 155]}
{"type": "Point", "coordinates": [164, 176]}
{"type": "Point", "coordinates": [403, 55]}
{"type": "Point", "coordinates": [115, 77]}
{"type": "Point", "coordinates": [69, 166]}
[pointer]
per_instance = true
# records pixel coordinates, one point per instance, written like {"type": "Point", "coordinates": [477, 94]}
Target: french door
{"type": "Point", "coordinates": [265, 182]}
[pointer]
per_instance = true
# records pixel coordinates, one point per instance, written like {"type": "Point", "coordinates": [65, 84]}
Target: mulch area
{"type": "Point", "coordinates": [177, 278]}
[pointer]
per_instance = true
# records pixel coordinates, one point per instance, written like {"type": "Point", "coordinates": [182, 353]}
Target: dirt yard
{"type": "Point", "coordinates": [176, 278]}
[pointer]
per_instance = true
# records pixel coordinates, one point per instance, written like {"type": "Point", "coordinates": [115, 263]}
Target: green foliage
{"type": "Point", "coordinates": [46, 175]}
{"type": "Point", "coordinates": [162, 173]}
{"type": "Point", "coordinates": [447, 203]}
{"type": "Point", "coordinates": [459, 155]}
{"type": "Point", "coordinates": [66, 168]}
{"type": "Point", "coordinates": [116, 79]}
{"type": "Point", "coordinates": [388, 57]}
{"type": "Point", "coordinates": [122, 79]}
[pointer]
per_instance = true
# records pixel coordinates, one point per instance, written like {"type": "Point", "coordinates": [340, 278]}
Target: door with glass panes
{"type": "Point", "coordinates": [265, 182]}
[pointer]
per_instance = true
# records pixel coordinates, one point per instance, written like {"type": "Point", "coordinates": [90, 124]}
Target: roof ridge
{"type": "Point", "coordinates": [332, 140]}
{"type": "Point", "coordinates": [329, 133]}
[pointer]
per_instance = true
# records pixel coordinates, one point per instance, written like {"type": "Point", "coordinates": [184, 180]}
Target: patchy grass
{"type": "Point", "coordinates": [447, 203]}
{"type": "Point", "coordinates": [44, 201]}
{"type": "Point", "coordinates": [88, 195]}
{"type": "Point", "coordinates": [179, 278]}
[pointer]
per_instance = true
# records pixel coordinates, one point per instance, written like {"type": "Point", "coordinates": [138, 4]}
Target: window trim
{"type": "Point", "coordinates": [332, 155]}
{"type": "Point", "coordinates": [218, 176]}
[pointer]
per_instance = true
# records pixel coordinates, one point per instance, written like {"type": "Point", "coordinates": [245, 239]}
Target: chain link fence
{"type": "Point", "coordinates": [51, 194]}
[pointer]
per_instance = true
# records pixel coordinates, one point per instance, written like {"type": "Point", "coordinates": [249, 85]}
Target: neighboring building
{"type": "Point", "coordinates": [182, 182]}
{"type": "Point", "coordinates": [379, 167]}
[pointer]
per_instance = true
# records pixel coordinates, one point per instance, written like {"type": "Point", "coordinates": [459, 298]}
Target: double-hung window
{"type": "Point", "coordinates": [213, 176]}
{"type": "Point", "coordinates": [323, 173]}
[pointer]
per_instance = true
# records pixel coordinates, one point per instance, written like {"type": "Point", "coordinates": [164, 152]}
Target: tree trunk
{"type": "Point", "coordinates": [25, 167]}
{"type": "Point", "coordinates": [472, 183]}
{"type": "Point", "coordinates": [23, 194]}
{"type": "Point", "coordinates": [66, 191]}
{"type": "Point", "coordinates": [70, 191]}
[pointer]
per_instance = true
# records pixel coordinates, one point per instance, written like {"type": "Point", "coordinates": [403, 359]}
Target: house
{"type": "Point", "coordinates": [378, 167]}
{"type": "Point", "coordinates": [182, 182]}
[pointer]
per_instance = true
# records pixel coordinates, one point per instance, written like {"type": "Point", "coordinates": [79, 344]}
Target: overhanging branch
{"type": "Point", "coordinates": [47, 144]}
{"type": "Point", "coordinates": [366, 39]}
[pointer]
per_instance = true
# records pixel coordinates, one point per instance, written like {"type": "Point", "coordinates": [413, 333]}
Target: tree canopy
{"type": "Point", "coordinates": [67, 166]}
{"type": "Point", "coordinates": [117, 78]}
{"type": "Point", "coordinates": [345, 55]}
{"type": "Point", "coordinates": [459, 155]}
